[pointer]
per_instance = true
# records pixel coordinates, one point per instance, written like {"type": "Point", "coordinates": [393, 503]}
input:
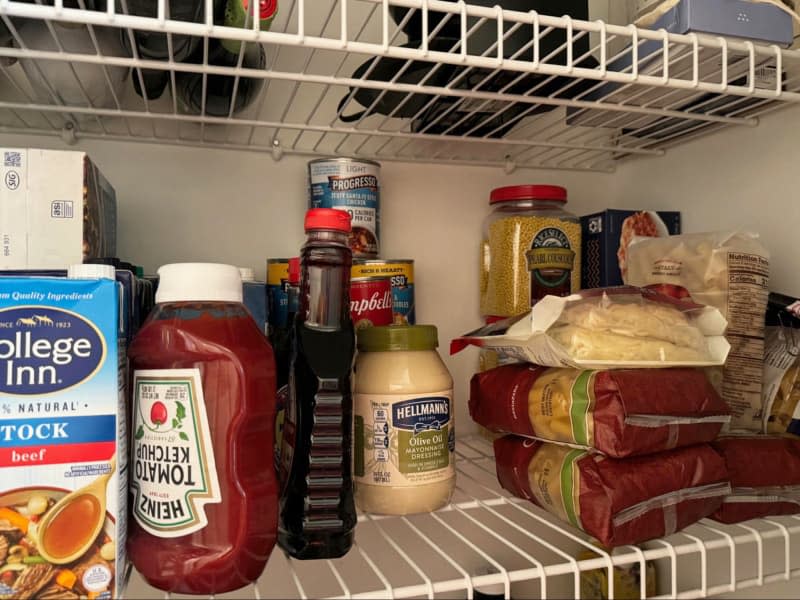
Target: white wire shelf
{"type": "Point", "coordinates": [487, 539]}
{"type": "Point", "coordinates": [480, 85]}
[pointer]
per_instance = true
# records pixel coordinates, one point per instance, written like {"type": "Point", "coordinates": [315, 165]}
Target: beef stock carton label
{"type": "Point", "coordinates": [56, 209]}
{"type": "Point", "coordinates": [63, 457]}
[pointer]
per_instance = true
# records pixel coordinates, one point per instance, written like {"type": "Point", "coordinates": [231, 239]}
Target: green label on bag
{"type": "Point", "coordinates": [561, 406]}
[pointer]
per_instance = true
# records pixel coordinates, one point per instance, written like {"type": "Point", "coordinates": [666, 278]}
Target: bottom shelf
{"type": "Point", "coordinates": [489, 541]}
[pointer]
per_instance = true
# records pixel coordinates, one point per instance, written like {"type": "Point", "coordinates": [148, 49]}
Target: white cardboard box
{"type": "Point", "coordinates": [56, 209]}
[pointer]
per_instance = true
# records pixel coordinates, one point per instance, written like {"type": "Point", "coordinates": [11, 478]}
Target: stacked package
{"type": "Point", "coordinates": [610, 412]}
{"type": "Point", "coordinates": [612, 423]}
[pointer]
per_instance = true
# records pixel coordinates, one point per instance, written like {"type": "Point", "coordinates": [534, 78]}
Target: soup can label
{"type": "Point", "coordinates": [277, 291]}
{"type": "Point", "coordinates": [173, 472]}
{"type": "Point", "coordinates": [370, 302]}
{"type": "Point", "coordinates": [400, 273]}
{"type": "Point", "coordinates": [353, 186]}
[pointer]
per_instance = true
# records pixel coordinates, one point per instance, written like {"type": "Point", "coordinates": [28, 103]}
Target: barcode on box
{"type": "Point", "coordinates": [61, 209]}
{"type": "Point", "coordinates": [12, 159]}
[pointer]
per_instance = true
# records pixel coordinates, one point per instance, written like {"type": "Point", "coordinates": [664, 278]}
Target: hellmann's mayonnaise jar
{"type": "Point", "coordinates": [404, 459]}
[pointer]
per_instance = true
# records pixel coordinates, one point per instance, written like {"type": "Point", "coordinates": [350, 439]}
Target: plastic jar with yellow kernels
{"type": "Point", "coordinates": [531, 249]}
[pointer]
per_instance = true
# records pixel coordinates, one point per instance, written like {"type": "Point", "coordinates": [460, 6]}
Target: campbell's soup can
{"type": "Point", "coordinates": [351, 185]}
{"type": "Point", "coordinates": [370, 301]}
{"type": "Point", "coordinates": [277, 294]}
{"type": "Point", "coordinates": [400, 273]}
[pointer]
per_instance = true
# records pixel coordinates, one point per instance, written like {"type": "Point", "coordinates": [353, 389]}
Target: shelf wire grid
{"type": "Point", "coordinates": [486, 540]}
{"type": "Point", "coordinates": [410, 80]}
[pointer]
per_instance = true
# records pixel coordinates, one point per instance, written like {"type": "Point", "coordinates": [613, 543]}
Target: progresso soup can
{"type": "Point", "coordinates": [400, 273]}
{"type": "Point", "coordinates": [351, 185]}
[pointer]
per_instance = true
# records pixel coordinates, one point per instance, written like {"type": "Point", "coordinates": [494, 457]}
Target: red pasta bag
{"type": "Point", "coordinates": [620, 413]}
{"type": "Point", "coordinates": [617, 501]}
{"type": "Point", "coordinates": [765, 477]}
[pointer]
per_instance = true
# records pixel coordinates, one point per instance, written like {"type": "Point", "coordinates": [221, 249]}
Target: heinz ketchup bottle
{"type": "Point", "coordinates": [204, 495]}
{"type": "Point", "coordinates": [317, 508]}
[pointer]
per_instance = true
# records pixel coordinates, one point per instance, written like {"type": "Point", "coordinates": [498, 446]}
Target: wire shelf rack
{"type": "Point", "coordinates": [412, 80]}
{"type": "Point", "coordinates": [488, 541]}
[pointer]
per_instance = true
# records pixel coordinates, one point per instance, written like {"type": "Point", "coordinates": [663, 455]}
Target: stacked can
{"type": "Point", "coordinates": [350, 185]}
{"type": "Point", "coordinates": [399, 277]}
{"type": "Point", "coordinates": [381, 291]}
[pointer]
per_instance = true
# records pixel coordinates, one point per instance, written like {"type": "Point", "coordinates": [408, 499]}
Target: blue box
{"type": "Point", "coordinates": [742, 19]}
{"type": "Point", "coordinates": [601, 236]}
{"type": "Point", "coordinates": [255, 300]}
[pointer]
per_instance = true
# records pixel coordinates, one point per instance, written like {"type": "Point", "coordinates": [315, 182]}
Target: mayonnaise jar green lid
{"type": "Point", "coordinates": [404, 459]}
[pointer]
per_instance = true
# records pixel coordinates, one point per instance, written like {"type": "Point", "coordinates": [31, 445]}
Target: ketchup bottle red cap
{"type": "Point", "coordinates": [294, 270]}
{"type": "Point", "coordinates": [327, 218]}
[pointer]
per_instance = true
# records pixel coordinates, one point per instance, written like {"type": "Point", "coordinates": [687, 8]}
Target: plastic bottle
{"type": "Point", "coordinates": [531, 249]}
{"type": "Point", "coordinates": [221, 95]}
{"type": "Point", "coordinates": [204, 505]}
{"type": "Point", "coordinates": [317, 508]}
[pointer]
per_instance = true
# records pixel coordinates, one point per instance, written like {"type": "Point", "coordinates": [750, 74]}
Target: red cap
{"type": "Point", "coordinates": [528, 192]}
{"type": "Point", "coordinates": [327, 218]}
{"type": "Point", "coordinates": [267, 8]}
{"type": "Point", "coordinates": [294, 270]}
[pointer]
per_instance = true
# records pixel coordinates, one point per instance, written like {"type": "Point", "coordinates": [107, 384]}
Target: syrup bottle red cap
{"type": "Point", "coordinates": [327, 218]}
{"type": "Point", "coordinates": [294, 270]}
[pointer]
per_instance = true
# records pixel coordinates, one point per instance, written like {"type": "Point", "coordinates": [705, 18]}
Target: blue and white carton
{"type": "Point", "coordinates": [63, 426]}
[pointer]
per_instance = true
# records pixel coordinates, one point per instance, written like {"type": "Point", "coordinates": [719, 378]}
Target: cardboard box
{"type": "Point", "coordinates": [56, 209]}
{"type": "Point", "coordinates": [601, 235]}
{"type": "Point", "coordinates": [63, 423]}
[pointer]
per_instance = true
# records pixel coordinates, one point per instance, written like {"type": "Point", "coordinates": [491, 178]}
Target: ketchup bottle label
{"type": "Point", "coordinates": [173, 475]}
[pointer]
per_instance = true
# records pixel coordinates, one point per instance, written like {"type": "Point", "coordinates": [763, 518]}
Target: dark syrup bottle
{"type": "Point", "coordinates": [317, 508]}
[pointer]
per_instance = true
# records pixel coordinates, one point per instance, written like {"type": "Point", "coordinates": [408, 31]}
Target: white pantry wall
{"type": "Point", "coordinates": [740, 178]}
{"type": "Point", "coordinates": [194, 204]}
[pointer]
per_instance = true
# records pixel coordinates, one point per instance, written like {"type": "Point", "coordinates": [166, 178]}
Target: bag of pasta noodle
{"type": "Point", "coordinates": [620, 412]}
{"type": "Point", "coordinates": [608, 328]}
{"type": "Point", "coordinates": [726, 270]}
{"type": "Point", "coordinates": [781, 391]}
{"type": "Point", "coordinates": [765, 477]}
{"type": "Point", "coordinates": [618, 501]}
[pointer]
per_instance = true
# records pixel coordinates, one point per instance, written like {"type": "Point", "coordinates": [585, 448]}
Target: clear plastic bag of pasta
{"type": "Point", "coordinates": [531, 249]}
{"type": "Point", "coordinates": [609, 328]}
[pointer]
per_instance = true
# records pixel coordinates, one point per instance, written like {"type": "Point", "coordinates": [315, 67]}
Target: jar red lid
{"type": "Point", "coordinates": [294, 270]}
{"type": "Point", "coordinates": [511, 193]}
{"type": "Point", "coordinates": [327, 218]}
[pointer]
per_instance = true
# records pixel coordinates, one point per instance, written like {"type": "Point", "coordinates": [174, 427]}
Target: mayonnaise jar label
{"type": "Point", "coordinates": [404, 441]}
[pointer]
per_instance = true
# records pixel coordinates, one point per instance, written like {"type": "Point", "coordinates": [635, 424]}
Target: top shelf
{"type": "Point", "coordinates": [480, 85]}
